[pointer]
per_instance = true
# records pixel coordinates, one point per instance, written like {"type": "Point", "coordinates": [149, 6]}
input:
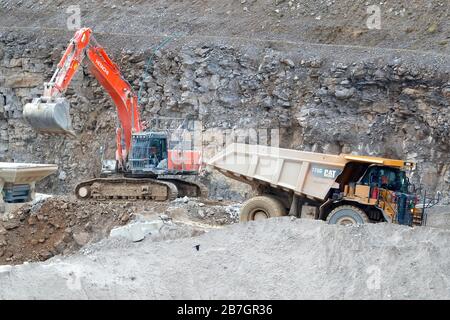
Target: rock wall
{"type": "Point", "coordinates": [371, 103]}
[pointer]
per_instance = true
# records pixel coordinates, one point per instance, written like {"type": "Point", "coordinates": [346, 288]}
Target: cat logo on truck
{"type": "Point", "coordinates": [328, 173]}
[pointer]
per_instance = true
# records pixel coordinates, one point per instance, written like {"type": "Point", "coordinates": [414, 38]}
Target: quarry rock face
{"type": "Point", "coordinates": [384, 107]}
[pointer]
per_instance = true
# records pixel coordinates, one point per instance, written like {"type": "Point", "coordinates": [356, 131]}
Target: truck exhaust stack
{"type": "Point", "coordinates": [50, 117]}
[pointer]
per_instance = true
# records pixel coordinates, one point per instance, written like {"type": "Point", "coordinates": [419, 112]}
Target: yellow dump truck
{"type": "Point", "coordinates": [341, 189]}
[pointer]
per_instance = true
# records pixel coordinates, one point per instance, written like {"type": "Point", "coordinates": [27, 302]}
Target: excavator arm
{"type": "Point", "coordinates": [50, 113]}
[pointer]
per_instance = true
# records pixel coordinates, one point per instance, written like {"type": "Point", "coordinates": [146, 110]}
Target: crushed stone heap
{"type": "Point", "coordinates": [271, 259]}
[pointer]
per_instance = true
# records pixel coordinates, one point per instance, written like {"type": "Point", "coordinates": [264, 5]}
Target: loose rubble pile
{"type": "Point", "coordinates": [213, 212]}
{"type": "Point", "coordinates": [56, 226]}
{"type": "Point", "coordinates": [271, 259]}
{"type": "Point", "coordinates": [60, 225]}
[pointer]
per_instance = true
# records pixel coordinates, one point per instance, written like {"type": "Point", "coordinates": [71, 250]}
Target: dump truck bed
{"type": "Point", "coordinates": [23, 173]}
{"type": "Point", "coordinates": [305, 173]}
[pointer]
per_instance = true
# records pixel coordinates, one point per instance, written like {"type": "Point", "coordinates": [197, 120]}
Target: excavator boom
{"type": "Point", "coordinates": [50, 113]}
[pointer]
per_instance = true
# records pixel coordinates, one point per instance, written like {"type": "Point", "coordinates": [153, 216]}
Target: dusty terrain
{"type": "Point", "coordinates": [62, 225]}
{"type": "Point", "coordinates": [272, 259]}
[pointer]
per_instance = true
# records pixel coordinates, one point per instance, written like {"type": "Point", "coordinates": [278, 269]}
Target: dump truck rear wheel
{"type": "Point", "coordinates": [262, 207]}
{"type": "Point", "coordinates": [347, 215]}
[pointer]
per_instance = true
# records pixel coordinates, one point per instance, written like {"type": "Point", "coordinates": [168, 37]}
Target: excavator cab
{"type": "Point", "coordinates": [148, 154]}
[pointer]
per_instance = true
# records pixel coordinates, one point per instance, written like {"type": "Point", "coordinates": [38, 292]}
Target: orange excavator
{"type": "Point", "coordinates": [145, 167]}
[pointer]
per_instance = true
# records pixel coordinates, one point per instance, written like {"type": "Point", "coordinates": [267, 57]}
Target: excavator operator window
{"type": "Point", "coordinates": [149, 151]}
{"type": "Point", "coordinates": [153, 156]}
{"type": "Point", "coordinates": [157, 151]}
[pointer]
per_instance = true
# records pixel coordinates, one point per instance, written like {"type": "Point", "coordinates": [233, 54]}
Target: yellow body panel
{"type": "Point", "coordinates": [383, 161]}
{"type": "Point", "coordinates": [361, 195]}
{"type": "Point", "coordinates": [362, 192]}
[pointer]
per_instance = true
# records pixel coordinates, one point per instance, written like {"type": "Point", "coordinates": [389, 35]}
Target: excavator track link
{"type": "Point", "coordinates": [127, 188]}
{"type": "Point", "coordinates": [188, 188]}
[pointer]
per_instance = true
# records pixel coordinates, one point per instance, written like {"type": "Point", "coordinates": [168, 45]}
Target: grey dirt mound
{"type": "Point", "coordinates": [272, 259]}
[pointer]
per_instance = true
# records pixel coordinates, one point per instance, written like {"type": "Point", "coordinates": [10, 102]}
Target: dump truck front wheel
{"type": "Point", "coordinates": [261, 207]}
{"type": "Point", "coordinates": [347, 215]}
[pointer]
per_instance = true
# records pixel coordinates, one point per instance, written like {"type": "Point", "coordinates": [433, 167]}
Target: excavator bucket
{"type": "Point", "coordinates": [50, 117]}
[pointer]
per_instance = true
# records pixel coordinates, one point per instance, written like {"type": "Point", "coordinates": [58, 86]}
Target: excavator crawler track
{"type": "Point", "coordinates": [127, 188]}
{"type": "Point", "coordinates": [161, 189]}
{"type": "Point", "coordinates": [188, 188]}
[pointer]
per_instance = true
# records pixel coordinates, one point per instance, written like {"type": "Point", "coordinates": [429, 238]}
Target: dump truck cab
{"type": "Point", "coordinates": [382, 190]}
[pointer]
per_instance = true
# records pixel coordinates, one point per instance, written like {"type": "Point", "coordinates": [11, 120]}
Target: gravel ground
{"type": "Point", "coordinates": [272, 259]}
{"type": "Point", "coordinates": [438, 217]}
{"type": "Point", "coordinates": [61, 225]}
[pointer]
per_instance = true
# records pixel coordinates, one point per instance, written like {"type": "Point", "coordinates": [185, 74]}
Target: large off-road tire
{"type": "Point", "coordinates": [347, 215]}
{"type": "Point", "coordinates": [261, 207]}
